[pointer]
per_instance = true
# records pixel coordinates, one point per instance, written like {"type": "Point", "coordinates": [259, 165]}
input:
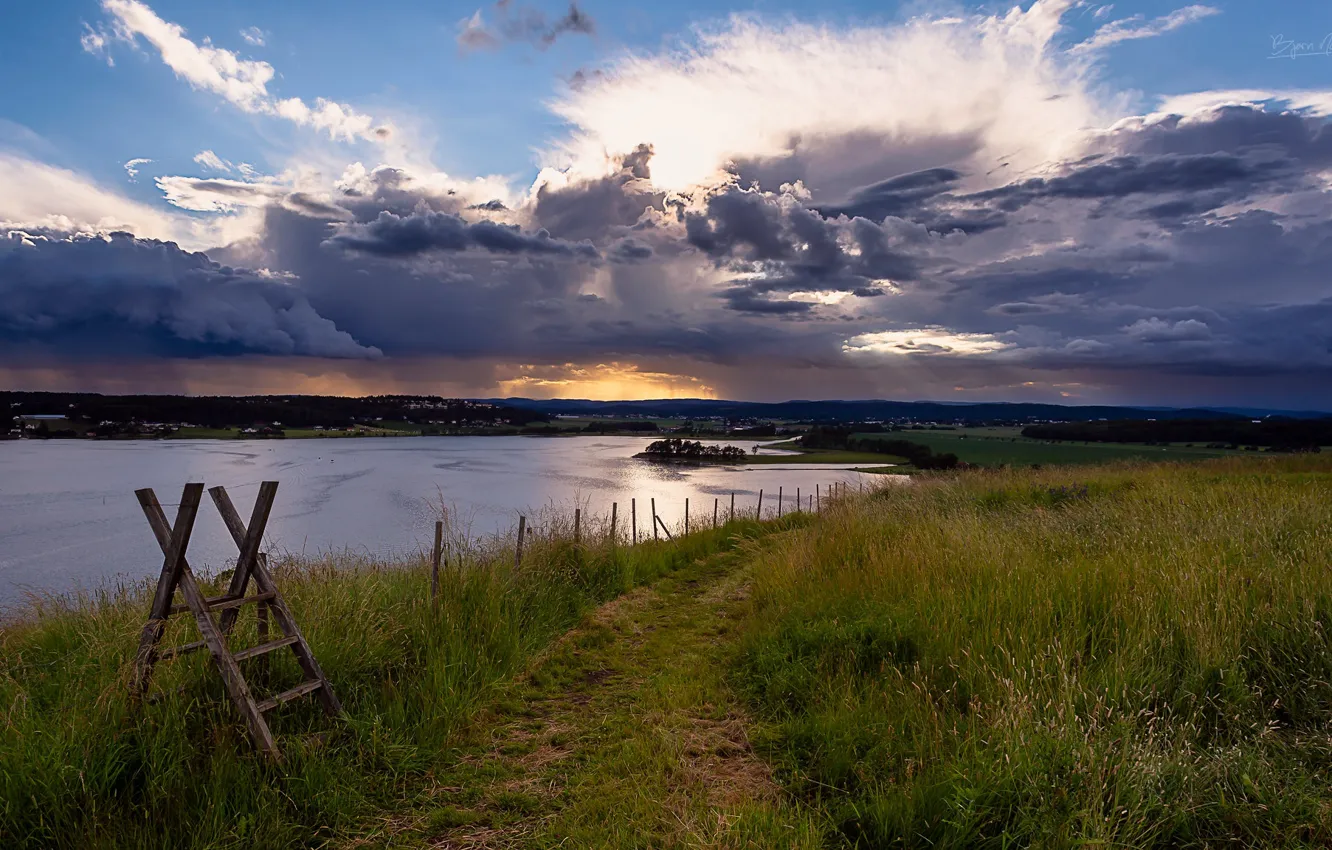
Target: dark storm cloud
{"type": "Point", "coordinates": [797, 248]}
{"type": "Point", "coordinates": [517, 22]}
{"type": "Point", "coordinates": [392, 235]}
{"type": "Point", "coordinates": [306, 204]}
{"type": "Point", "coordinates": [743, 299]}
{"type": "Point", "coordinates": [900, 196]}
{"type": "Point", "coordinates": [1176, 251]}
{"type": "Point", "coordinates": [1123, 176]}
{"type": "Point", "coordinates": [93, 296]}
{"type": "Point", "coordinates": [630, 250]}
{"type": "Point", "coordinates": [592, 209]}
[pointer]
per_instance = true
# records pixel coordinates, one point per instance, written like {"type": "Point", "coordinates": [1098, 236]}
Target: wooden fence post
{"type": "Point", "coordinates": [798, 502]}
{"type": "Point", "coordinates": [522, 532]}
{"type": "Point", "coordinates": [633, 519]}
{"type": "Point", "coordinates": [434, 560]}
{"type": "Point", "coordinates": [779, 502]}
{"type": "Point", "coordinates": [732, 507]}
{"type": "Point", "coordinates": [686, 515]}
{"type": "Point", "coordinates": [758, 512]}
{"type": "Point", "coordinates": [818, 499]}
{"type": "Point", "coordinates": [715, 503]}
{"type": "Point", "coordinates": [655, 536]}
{"type": "Point", "coordinates": [578, 526]}
{"type": "Point", "coordinates": [614, 507]}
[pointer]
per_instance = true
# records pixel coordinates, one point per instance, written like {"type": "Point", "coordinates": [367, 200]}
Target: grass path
{"type": "Point", "coordinates": [624, 735]}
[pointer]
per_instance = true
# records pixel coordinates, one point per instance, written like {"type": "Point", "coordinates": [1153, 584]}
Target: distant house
{"type": "Point", "coordinates": [47, 421]}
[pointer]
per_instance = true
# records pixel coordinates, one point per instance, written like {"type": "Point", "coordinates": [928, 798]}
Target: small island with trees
{"type": "Point", "coordinates": [677, 450]}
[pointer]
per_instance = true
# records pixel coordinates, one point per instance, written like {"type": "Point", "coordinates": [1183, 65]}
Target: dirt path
{"type": "Point", "coordinates": [624, 735]}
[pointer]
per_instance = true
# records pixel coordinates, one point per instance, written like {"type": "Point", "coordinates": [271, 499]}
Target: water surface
{"type": "Point", "coordinates": [69, 519]}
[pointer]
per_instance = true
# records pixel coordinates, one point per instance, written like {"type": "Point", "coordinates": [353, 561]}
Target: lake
{"type": "Point", "coordinates": [69, 520]}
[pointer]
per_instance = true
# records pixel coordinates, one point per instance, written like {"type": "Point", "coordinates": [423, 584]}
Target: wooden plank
{"type": "Point", "coordinates": [615, 507]}
{"type": "Point", "coordinates": [224, 603]}
{"type": "Point", "coordinates": [173, 540]}
{"type": "Point", "coordinates": [758, 512]}
{"type": "Point", "coordinates": [263, 648]}
{"type": "Point", "coordinates": [249, 545]}
{"type": "Point", "coordinates": [655, 535]}
{"type": "Point", "coordinates": [287, 696]}
{"type": "Point", "coordinates": [281, 613]}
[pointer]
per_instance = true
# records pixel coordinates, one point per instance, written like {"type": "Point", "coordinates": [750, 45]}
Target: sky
{"type": "Point", "coordinates": [1080, 202]}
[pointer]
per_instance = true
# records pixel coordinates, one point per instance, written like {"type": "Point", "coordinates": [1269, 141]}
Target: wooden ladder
{"type": "Point", "coordinates": [176, 574]}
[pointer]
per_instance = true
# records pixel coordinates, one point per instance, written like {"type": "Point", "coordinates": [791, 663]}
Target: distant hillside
{"type": "Point", "coordinates": [295, 411]}
{"type": "Point", "coordinates": [859, 411]}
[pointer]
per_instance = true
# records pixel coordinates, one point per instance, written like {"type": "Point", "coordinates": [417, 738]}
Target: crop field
{"type": "Point", "coordinates": [995, 446]}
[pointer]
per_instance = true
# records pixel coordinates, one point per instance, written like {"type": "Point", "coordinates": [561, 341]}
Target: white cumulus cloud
{"type": "Point", "coordinates": [241, 82]}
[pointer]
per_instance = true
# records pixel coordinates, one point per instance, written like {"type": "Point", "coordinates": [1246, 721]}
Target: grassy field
{"type": "Point", "coordinates": [825, 456]}
{"type": "Point", "coordinates": [80, 769]}
{"type": "Point", "coordinates": [1121, 656]}
{"type": "Point", "coordinates": [1007, 446]}
{"type": "Point", "coordinates": [1127, 655]}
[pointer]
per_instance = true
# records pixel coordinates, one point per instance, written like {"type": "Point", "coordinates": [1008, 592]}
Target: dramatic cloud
{"type": "Point", "coordinates": [40, 198]}
{"type": "Point", "coordinates": [391, 235]}
{"type": "Point", "coordinates": [749, 214]}
{"type": "Point", "coordinates": [987, 93]}
{"type": "Point", "coordinates": [516, 22]}
{"type": "Point", "coordinates": [241, 82]}
{"type": "Point", "coordinates": [87, 295]}
{"type": "Point", "coordinates": [217, 194]}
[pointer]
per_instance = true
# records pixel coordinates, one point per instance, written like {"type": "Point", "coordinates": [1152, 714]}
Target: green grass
{"type": "Point", "coordinates": [1007, 446]}
{"type": "Point", "coordinates": [1126, 656]}
{"type": "Point", "coordinates": [624, 735]}
{"type": "Point", "coordinates": [825, 456]}
{"type": "Point", "coordinates": [80, 768]}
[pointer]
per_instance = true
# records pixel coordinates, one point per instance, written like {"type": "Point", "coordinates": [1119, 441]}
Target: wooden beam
{"type": "Point", "coordinates": [249, 546]}
{"type": "Point", "coordinates": [173, 540]}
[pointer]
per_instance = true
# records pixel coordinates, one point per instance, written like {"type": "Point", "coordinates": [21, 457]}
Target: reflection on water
{"type": "Point", "coordinates": [69, 519]}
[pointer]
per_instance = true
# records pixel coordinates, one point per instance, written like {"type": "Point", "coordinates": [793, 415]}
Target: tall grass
{"type": "Point", "coordinates": [1128, 656]}
{"type": "Point", "coordinates": [80, 768]}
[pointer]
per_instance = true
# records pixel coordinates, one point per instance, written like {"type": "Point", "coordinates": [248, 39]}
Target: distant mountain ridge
{"type": "Point", "coordinates": [848, 410]}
